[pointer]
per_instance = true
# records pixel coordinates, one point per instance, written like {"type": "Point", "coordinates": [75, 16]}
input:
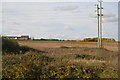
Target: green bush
{"type": "Point", "coordinates": [10, 46]}
{"type": "Point", "coordinates": [35, 65]}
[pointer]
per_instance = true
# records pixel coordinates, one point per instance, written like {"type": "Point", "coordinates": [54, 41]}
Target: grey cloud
{"type": "Point", "coordinates": [67, 8]}
{"type": "Point", "coordinates": [15, 23]}
{"type": "Point", "coordinates": [111, 19]}
{"type": "Point", "coordinates": [104, 15]}
{"type": "Point", "coordinates": [107, 17]}
{"type": "Point", "coordinates": [68, 28]}
{"type": "Point", "coordinates": [108, 14]}
{"type": "Point", "coordinates": [93, 15]}
{"type": "Point", "coordinates": [67, 37]}
{"type": "Point", "coordinates": [59, 35]}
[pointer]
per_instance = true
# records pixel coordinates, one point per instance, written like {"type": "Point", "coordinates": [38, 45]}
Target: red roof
{"type": "Point", "coordinates": [24, 36]}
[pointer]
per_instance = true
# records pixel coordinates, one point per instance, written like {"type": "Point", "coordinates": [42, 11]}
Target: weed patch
{"type": "Point", "coordinates": [88, 57]}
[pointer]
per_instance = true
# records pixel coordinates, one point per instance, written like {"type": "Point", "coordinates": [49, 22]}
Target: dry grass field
{"type": "Point", "coordinates": [112, 46]}
{"type": "Point", "coordinates": [57, 49]}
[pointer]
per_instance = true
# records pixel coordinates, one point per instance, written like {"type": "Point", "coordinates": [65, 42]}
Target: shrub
{"type": "Point", "coordinates": [68, 47]}
{"type": "Point", "coordinates": [88, 57]}
{"type": "Point", "coordinates": [35, 65]}
{"type": "Point", "coordinates": [24, 66]}
{"type": "Point", "coordinates": [85, 56]}
{"type": "Point", "coordinates": [10, 46]}
{"type": "Point", "coordinates": [38, 66]}
{"type": "Point", "coordinates": [64, 47]}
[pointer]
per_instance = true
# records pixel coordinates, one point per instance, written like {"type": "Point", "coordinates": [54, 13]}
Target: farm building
{"type": "Point", "coordinates": [23, 38]}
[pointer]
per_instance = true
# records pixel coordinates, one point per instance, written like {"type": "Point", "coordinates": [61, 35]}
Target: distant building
{"type": "Point", "coordinates": [23, 38]}
{"type": "Point", "coordinates": [11, 37]}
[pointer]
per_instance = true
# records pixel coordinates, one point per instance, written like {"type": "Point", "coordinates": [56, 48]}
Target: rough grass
{"type": "Point", "coordinates": [70, 62]}
{"type": "Point", "coordinates": [36, 65]}
{"type": "Point", "coordinates": [67, 47]}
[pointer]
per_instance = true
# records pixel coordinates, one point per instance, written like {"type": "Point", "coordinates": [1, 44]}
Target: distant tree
{"type": "Point", "coordinates": [96, 39]}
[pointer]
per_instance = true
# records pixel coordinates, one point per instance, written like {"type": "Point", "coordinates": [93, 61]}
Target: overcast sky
{"type": "Point", "coordinates": [61, 20]}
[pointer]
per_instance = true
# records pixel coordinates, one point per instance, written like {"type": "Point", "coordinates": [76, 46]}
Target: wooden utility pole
{"type": "Point", "coordinates": [98, 25]}
{"type": "Point", "coordinates": [101, 23]}
{"type": "Point", "coordinates": [99, 14]}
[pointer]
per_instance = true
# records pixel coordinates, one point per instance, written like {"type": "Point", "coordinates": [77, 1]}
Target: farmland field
{"type": "Point", "coordinates": [62, 59]}
{"type": "Point", "coordinates": [112, 46]}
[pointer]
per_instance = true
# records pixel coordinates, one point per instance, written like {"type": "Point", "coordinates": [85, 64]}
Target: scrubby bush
{"type": "Point", "coordinates": [10, 46]}
{"type": "Point", "coordinates": [88, 57]}
{"type": "Point", "coordinates": [38, 66]}
{"type": "Point", "coordinates": [64, 47]}
{"type": "Point", "coordinates": [24, 66]}
{"type": "Point", "coordinates": [68, 47]}
{"type": "Point", "coordinates": [85, 56]}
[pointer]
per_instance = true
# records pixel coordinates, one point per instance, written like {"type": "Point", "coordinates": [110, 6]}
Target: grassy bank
{"type": "Point", "coordinates": [38, 65]}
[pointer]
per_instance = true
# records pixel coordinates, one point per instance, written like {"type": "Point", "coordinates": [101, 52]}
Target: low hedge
{"type": "Point", "coordinates": [11, 46]}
